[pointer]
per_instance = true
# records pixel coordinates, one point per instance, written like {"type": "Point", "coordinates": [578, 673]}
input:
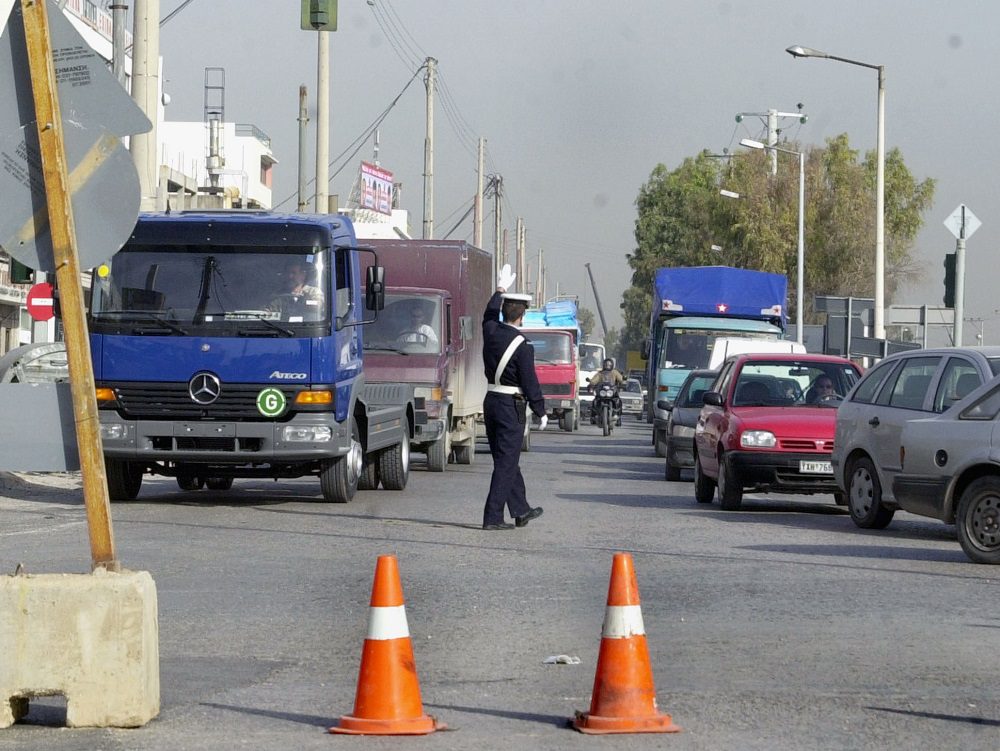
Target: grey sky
{"type": "Point", "coordinates": [579, 100]}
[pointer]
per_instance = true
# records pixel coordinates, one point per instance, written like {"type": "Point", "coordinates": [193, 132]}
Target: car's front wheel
{"type": "Point", "coordinates": [864, 496]}
{"type": "Point", "coordinates": [978, 520]}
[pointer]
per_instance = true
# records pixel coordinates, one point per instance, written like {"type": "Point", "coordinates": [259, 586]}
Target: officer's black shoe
{"type": "Point", "coordinates": [522, 521]}
{"type": "Point", "coordinates": [501, 525]}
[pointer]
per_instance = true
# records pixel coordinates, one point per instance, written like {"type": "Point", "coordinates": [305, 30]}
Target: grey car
{"type": "Point", "coordinates": [950, 470]}
{"type": "Point", "coordinates": [632, 400]}
{"type": "Point", "coordinates": [906, 386]}
{"type": "Point", "coordinates": [681, 420]}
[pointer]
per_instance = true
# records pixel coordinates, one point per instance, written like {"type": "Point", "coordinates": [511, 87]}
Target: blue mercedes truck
{"type": "Point", "coordinates": [229, 345]}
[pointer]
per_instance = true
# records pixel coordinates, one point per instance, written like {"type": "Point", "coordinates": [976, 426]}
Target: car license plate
{"type": "Point", "coordinates": [816, 468]}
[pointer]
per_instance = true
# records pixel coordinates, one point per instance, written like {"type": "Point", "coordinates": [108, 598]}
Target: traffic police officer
{"type": "Point", "coordinates": [511, 379]}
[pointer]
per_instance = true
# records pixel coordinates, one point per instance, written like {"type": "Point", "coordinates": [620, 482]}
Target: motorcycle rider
{"type": "Point", "coordinates": [607, 374]}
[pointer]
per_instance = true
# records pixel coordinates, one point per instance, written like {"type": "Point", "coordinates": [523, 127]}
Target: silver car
{"type": "Point", "coordinates": [631, 395]}
{"type": "Point", "coordinates": [905, 386]}
{"type": "Point", "coordinates": [950, 470]}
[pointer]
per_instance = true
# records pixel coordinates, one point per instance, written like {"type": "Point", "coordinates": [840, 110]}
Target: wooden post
{"type": "Point", "coordinates": [64, 251]}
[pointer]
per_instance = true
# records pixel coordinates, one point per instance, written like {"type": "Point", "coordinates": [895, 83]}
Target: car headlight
{"type": "Point", "coordinates": [756, 439]}
{"type": "Point", "coordinates": [683, 431]}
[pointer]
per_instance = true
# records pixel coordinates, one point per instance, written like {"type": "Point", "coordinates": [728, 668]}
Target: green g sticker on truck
{"type": "Point", "coordinates": [270, 402]}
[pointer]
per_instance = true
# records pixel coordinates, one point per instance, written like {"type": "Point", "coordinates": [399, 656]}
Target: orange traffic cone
{"type": "Point", "coordinates": [624, 698]}
{"type": "Point", "coordinates": [387, 701]}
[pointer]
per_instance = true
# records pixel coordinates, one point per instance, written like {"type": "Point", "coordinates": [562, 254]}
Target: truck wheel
{"type": "Point", "coordinates": [567, 420]}
{"type": "Point", "coordinates": [466, 453]}
{"type": "Point", "coordinates": [660, 442]}
{"type": "Point", "coordinates": [394, 464]}
{"type": "Point", "coordinates": [124, 479]}
{"type": "Point", "coordinates": [437, 452]}
{"type": "Point", "coordinates": [338, 478]}
{"type": "Point", "coordinates": [576, 419]}
{"type": "Point", "coordinates": [671, 473]}
{"type": "Point", "coordinates": [190, 482]}
{"type": "Point", "coordinates": [219, 483]}
{"type": "Point", "coordinates": [369, 477]}
{"type": "Point", "coordinates": [730, 488]}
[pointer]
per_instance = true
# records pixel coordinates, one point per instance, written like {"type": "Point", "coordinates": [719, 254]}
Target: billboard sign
{"type": "Point", "coordinates": [376, 188]}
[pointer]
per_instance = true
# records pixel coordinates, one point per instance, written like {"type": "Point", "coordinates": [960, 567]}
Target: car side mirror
{"type": "Point", "coordinates": [664, 404]}
{"type": "Point", "coordinates": [712, 398]}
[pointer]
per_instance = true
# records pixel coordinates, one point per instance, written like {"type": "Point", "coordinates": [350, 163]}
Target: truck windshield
{"type": "Point", "coordinates": [692, 348]}
{"type": "Point", "coordinates": [591, 356]}
{"type": "Point", "coordinates": [551, 348]}
{"type": "Point", "coordinates": [409, 324]}
{"type": "Point", "coordinates": [232, 290]}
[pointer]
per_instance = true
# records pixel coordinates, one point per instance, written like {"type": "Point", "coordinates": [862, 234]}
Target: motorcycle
{"type": "Point", "coordinates": [606, 409]}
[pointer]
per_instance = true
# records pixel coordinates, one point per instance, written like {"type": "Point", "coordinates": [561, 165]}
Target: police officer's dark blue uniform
{"type": "Point", "coordinates": [505, 399]}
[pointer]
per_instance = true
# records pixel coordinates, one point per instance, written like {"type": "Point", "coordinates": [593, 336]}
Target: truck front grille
{"type": "Point", "coordinates": [154, 401]}
{"type": "Point", "coordinates": [557, 389]}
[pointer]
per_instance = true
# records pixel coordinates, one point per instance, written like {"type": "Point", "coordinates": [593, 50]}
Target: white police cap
{"type": "Point", "coordinates": [517, 297]}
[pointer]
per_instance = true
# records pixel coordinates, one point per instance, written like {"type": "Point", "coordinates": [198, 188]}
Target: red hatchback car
{"type": "Point", "coordinates": [768, 424]}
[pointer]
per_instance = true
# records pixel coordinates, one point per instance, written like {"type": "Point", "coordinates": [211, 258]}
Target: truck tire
{"type": "Point", "coordinates": [190, 482]}
{"type": "Point", "coordinates": [124, 479]}
{"type": "Point", "coordinates": [394, 464]}
{"type": "Point", "coordinates": [338, 478]}
{"type": "Point", "coordinates": [437, 452]}
{"type": "Point", "coordinates": [369, 477]}
{"type": "Point", "coordinates": [219, 483]}
{"type": "Point", "coordinates": [567, 419]}
{"type": "Point", "coordinates": [466, 453]}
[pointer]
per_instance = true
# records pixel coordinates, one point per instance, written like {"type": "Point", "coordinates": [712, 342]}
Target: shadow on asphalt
{"type": "Point", "coordinates": [544, 719]}
{"type": "Point", "coordinates": [881, 552]}
{"type": "Point", "coordinates": [323, 721]}
{"type": "Point", "coordinates": [940, 716]}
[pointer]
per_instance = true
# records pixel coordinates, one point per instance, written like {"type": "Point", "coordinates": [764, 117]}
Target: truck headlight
{"type": "Point", "coordinates": [113, 432]}
{"type": "Point", "coordinates": [306, 434]}
{"type": "Point", "coordinates": [756, 439]}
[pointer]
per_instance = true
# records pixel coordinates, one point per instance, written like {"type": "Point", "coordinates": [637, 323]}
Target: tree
{"type": "Point", "coordinates": [680, 216]}
{"type": "Point", "coordinates": [585, 318]}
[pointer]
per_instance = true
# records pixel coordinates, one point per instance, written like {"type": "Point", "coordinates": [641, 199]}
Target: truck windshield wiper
{"type": "Point", "coordinates": [386, 348]}
{"type": "Point", "coordinates": [159, 320]}
{"type": "Point", "coordinates": [270, 324]}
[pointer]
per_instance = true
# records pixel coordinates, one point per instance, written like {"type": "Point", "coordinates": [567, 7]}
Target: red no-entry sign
{"type": "Point", "coordinates": [39, 302]}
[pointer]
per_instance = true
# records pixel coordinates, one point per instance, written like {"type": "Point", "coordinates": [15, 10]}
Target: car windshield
{"type": "Point", "coordinates": [792, 383]}
{"type": "Point", "coordinates": [170, 289]}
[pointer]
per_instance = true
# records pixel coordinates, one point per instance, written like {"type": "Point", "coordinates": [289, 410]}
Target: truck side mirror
{"type": "Point", "coordinates": [375, 288]}
{"type": "Point", "coordinates": [465, 324]}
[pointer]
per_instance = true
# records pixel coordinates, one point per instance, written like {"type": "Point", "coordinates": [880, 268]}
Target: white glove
{"type": "Point", "coordinates": [506, 277]}
{"type": "Point", "coordinates": [543, 421]}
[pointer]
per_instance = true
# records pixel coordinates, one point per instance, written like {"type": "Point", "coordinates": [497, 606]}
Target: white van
{"type": "Point", "coordinates": [724, 346]}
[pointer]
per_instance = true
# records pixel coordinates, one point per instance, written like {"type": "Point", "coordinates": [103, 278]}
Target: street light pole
{"type": "Point", "coordinates": [799, 51]}
{"type": "Point", "coordinates": [801, 254]}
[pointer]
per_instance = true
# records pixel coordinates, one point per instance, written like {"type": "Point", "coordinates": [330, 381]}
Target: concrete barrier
{"type": "Point", "coordinates": [92, 638]}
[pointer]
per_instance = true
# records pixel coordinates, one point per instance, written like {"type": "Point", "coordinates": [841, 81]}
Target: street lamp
{"type": "Point", "coordinates": [799, 51]}
{"type": "Point", "coordinates": [800, 261]}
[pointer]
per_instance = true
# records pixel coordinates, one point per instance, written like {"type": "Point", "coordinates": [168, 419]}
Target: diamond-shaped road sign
{"type": "Point", "coordinates": [962, 222]}
{"type": "Point", "coordinates": [96, 112]}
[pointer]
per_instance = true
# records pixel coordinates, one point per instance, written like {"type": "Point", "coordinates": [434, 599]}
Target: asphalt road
{"type": "Point", "coordinates": [781, 626]}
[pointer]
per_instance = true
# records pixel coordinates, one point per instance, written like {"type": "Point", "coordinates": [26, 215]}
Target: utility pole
{"type": "Point", "coordinates": [303, 122]}
{"type": "Point", "coordinates": [119, 13]}
{"type": "Point", "coordinates": [145, 91]}
{"type": "Point", "coordinates": [597, 299]}
{"type": "Point", "coordinates": [429, 152]}
{"type": "Point", "coordinates": [322, 203]}
{"type": "Point", "coordinates": [477, 220]}
{"type": "Point", "coordinates": [770, 118]}
{"type": "Point", "coordinates": [540, 284]}
{"type": "Point", "coordinates": [519, 245]}
{"type": "Point", "coordinates": [497, 216]}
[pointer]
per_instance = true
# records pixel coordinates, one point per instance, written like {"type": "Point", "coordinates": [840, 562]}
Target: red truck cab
{"type": "Point", "coordinates": [557, 367]}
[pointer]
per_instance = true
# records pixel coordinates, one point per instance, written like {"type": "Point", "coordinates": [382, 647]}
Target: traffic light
{"type": "Point", "coordinates": [319, 15]}
{"type": "Point", "coordinates": [949, 280]}
{"type": "Point", "coordinates": [19, 273]}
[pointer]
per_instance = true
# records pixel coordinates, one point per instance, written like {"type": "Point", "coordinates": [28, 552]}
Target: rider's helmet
{"type": "Point", "coordinates": [609, 364]}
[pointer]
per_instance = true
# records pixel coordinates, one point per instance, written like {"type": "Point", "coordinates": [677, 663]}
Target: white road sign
{"type": "Point", "coordinates": [962, 217]}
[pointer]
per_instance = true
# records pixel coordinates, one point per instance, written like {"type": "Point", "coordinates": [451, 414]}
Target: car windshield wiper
{"type": "Point", "coordinates": [160, 321]}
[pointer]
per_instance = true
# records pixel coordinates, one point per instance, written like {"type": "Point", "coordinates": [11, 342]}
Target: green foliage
{"type": "Point", "coordinates": [585, 317]}
{"type": "Point", "coordinates": [681, 215]}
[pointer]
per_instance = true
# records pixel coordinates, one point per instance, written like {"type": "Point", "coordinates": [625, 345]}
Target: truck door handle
{"type": "Point", "coordinates": [873, 422]}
